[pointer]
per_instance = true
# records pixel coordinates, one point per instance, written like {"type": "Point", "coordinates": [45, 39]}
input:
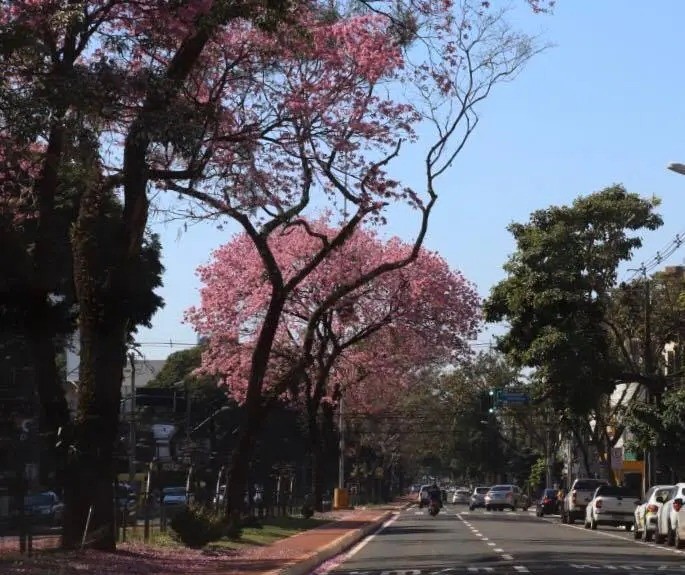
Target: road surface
{"type": "Point", "coordinates": [459, 542]}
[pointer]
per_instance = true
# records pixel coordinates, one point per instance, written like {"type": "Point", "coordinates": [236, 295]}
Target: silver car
{"type": "Point", "coordinates": [478, 497]}
{"type": "Point", "coordinates": [461, 496]}
{"type": "Point", "coordinates": [503, 496]}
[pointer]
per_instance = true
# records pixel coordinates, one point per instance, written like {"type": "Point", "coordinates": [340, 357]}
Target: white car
{"type": "Point", "coordinates": [676, 532]}
{"type": "Point", "coordinates": [461, 496]}
{"type": "Point", "coordinates": [172, 496]}
{"type": "Point", "coordinates": [666, 516]}
{"type": "Point", "coordinates": [647, 512]}
{"type": "Point", "coordinates": [611, 505]}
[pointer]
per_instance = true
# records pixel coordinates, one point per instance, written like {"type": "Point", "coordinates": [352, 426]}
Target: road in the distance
{"type": "Point", "coordinates": [460, 542]}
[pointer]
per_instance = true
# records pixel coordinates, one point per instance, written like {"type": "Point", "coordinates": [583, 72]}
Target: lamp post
{"type": "Point", "coordinates": [677, 167]}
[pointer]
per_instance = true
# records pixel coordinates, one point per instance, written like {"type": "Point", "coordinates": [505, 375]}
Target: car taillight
{"type": "Point", "coordinates": [598, 504]}
{"type": "Point", "coordinates": [651, 508]}
{"type": "Point", "coordinates": [547, 500]}
{"type": "Point", "coordinates": [509, 495]}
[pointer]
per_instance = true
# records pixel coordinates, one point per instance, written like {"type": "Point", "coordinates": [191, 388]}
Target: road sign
{"type": "Point", "coordinates": [514, 397]}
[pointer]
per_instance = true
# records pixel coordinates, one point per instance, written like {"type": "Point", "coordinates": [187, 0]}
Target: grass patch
{"type": "Point", "coordinates": [270, 530]}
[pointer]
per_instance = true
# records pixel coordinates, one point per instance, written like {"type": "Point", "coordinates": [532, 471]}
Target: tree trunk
{"type": "Point", "coordinates": [240, 462]}
{"type": "Point", "coordinates": [583, 451]}
{"type": "Point", "coordinates": [317, 476]}
{"type": "Point", "coordinates": [54, 412]}
{"type": "Point", "coordinates": [256, 408]}
{"type": "Point", "coordinates": [103, 329]}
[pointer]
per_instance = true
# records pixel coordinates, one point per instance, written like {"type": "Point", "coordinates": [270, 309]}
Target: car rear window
{"type": "Point", "coordinates": [550, 493]}
{"type": "Point", "coordinates": [613, 491]}
{"type": "Point", "coordinates": [588, 484]}
{"type": "Point", "coordinates": [462, 492]}
{"type": "Point", "coordinates": [482, 490]}
{"type": "Point", "coordinates": [501, 488]}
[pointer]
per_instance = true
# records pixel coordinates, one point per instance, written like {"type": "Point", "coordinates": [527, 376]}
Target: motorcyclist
{"type": "Point", "coordinates": [434, 494]}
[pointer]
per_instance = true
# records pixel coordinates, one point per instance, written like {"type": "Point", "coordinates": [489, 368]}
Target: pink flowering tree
{"type": "Point", "coordinates": [368, 344]}
{"type": "Point", "coordinates": [251, 111]}
{"type": "Point", "coordinates": [336, 135]}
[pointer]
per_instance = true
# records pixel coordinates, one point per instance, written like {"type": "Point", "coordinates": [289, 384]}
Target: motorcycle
{"type": "Point", "coordinates": [434, 508]}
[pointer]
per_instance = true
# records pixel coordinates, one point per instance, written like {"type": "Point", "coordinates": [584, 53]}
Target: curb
{"type": "Point", "coordinates": [340, 545]}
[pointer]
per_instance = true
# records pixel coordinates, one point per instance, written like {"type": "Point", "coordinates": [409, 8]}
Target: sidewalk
{"type": "Point", "coordinates": [302, 553]}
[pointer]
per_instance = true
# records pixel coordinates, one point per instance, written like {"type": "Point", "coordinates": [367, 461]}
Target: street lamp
{"type": "Point", "coordinates": [677, 168]}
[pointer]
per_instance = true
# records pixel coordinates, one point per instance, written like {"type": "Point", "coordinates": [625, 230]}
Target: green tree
{"type": "Point", "coordinates": [557, 300]}
{"type": "Point", "coordinates": [556, 295]}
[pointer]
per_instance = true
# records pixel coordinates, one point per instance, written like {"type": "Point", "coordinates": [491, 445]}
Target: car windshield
{"type": "Point", "coordinates": [482, 490]}
{"type": "Point", "coordinates": [501, 488]}
{"type": "Point", "coordinates": [39, 499]}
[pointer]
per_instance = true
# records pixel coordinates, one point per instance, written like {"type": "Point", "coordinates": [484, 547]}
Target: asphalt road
{"type": "Point", "coordinates": [501, 543]}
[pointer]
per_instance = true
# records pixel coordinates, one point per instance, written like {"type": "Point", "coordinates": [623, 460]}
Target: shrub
{"type": "Point", "coordinates": [195, 526]}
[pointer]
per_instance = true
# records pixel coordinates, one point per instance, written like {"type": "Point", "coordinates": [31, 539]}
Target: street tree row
{"type": "Point", "coordinates": [257, 112]}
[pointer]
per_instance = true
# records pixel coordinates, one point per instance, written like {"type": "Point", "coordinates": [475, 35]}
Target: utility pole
{"type": "Point", "coordinates": [132, 422]}
{"type": "Point", "coordinates": [649, 456]}
{"type": "Point", "coordinates": [341, 456]}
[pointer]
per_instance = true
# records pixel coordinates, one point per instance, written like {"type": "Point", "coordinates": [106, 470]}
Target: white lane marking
{"type": "Point", "coordinates": [521, 569]}
{"type": "Point", "coordinates": [357, 548]}
{"type": "Point", "coordinates": [498, 550]}
{"type": "Point", "coordinates": [492, 544]}
{"type": "Point", "coordinates": [507, 557]}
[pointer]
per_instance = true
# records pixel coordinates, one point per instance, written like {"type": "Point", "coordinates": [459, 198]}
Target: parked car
{"type": "Point", "coordinates": [174, 496]}
{"type": "Point", "coordinates": [666, 516]}
{"type": "Point", "coordinates": [478, 497]}
{"type": "Point", "coordinates": [611, 505]}
{"type": "Point", "coordinates": [647, 512]}
{"type": "Point", "coordinates": [676, 518]}
{"type": "Point", "coordinates": [503, 496]}
{"type": "Point", "coordinates": [575, 503]}
{"type": "Point", "coordinates": [44, 508]}
{"type": "Point", "coordinates": [547, 503]}
{"type": "Point", "coordinates": [461, 497]}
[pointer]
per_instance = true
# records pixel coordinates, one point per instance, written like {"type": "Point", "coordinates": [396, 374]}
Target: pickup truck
{"type": "Point", "coordinates": [576, 500]}
{"type": "Point", "coordinates": [612, 505]}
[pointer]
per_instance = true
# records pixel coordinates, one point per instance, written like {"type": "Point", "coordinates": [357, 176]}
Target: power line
{"type": "Point", "coordinates": [659, 257]}
{"type": "Point", "coordinates": [169, 343]}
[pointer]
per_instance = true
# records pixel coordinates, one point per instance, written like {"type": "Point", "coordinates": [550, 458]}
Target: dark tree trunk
{"type": "Point", "coordinates": [54, 413]}
{"type": "Point", "coordinates": [256, 408]}
{"type": "Point", "coordinates": [240, 462]}
{"type": "Point", "coordinates": [103, 329]}
{"type": "Point", "coordinates": [317, 460]}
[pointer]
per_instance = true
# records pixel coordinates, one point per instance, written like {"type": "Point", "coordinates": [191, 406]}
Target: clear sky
{"type": "Point", "coordinates": [604, 105]}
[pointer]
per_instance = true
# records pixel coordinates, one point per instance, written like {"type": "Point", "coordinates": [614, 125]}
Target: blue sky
{"type": "Point", "coordinates": [602, 106]}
